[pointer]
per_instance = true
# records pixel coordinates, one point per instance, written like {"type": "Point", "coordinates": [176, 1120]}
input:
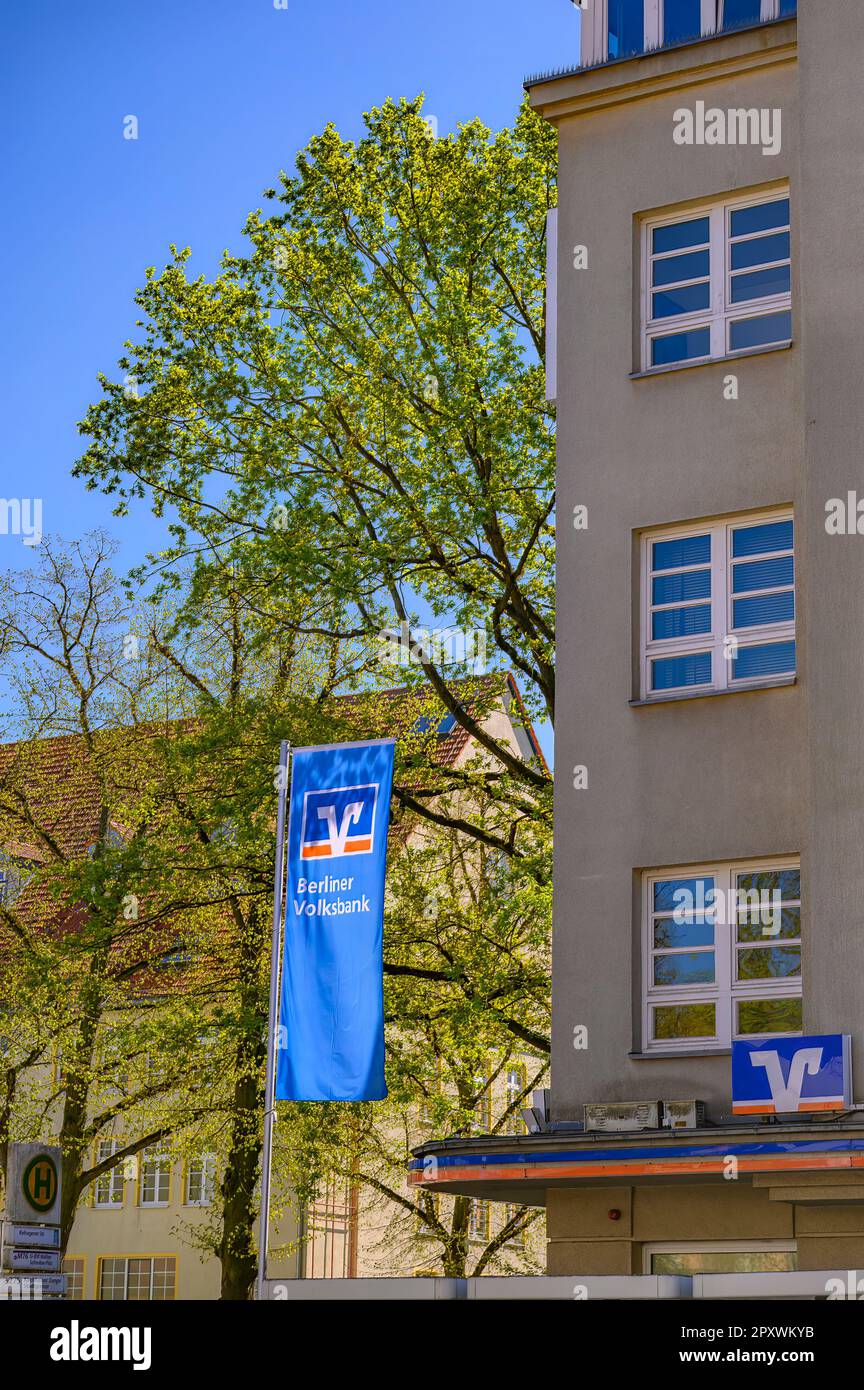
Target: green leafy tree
{"type": "Point", "coordinates": [353, 412]}
{"type": "Point", "coordinates": [96, 1042]}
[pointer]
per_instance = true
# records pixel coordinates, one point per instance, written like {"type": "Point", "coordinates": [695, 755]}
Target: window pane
{"type": "Point", "coordinates": [775, 659]}
{"type": "Point", "coordinates": [761, 283]}
{"type": "Point", "coordinates": [761, 540]}
{"type": "Point", "coordinates": [678, 588]}
{"type": "Point", "coordinates": [682, 19]}
{"type": "Point", "coordinates": [741, 12]}
{"type": "Point", "coordinates": [686, 300]}
{"type": "Point", "coordinates": [681, 347]}
{"type": "Point", "coordinates": [692, 968]}
{"type": "Point", "coordinates": [760, 925]}
{"type": "Point", "coordinates": [684, 1021]}
{"type": "Point", "coordinates": [771, 608]}
{"type": "Point", "coordinates": [762, 217]}
{"type": "Point", "coordinates": [112, 1280]}
{"type": "Point", "coordinates": [697, 931]}
{"type": "Point", "coordinates": [770, 963]}
{"type": "Point", "coordinates": [139, 1280]}
{"type": "Point", "coordinates": [669, 894]}
{"type": "Point", "coordinates": [676, 268]}
{"type": "Point", "coordinates": [680, 553]}
{"type": "Point", "coordinates": [164, 1278]}
{"type": "Point", "coordinates": [677, 235]}
{"type": "Point", "coordinates": [770, 328]}
{"type": "Point", "coordinates": [683, 622]}
{"type": "Point", "coordinates": [677, 671]}
{"type": "Point", "coordinates": [626, 27]}
{"type": "Point", "coordinates": [785, 881]}
{"type": "Point", "coordinates": [787, 8]}
{"type": "Point", "coordinates": [770, 1015]}
{"type": "Point", "coordinates": [760, 251]}
{"type": "Point", "coordinates": [725, 1262]}
{"type": "Point", "coordinates": [760, 574]}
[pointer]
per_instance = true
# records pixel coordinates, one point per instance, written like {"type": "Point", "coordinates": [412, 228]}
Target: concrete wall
{"type": "Point", "coordinates": [831, 210]}
{"type": "Point", "coordinates": [689, 781]}
{"type": "Point", "coordinates": [584, 1239]}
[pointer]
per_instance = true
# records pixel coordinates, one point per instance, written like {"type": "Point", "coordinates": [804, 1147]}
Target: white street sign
{"type": "Point", "coordinates": [32, 1237]}
{"type": "Point", "coordinates": [31, 1286]}
{"type": "Point", "coordinates": [32, 1261]}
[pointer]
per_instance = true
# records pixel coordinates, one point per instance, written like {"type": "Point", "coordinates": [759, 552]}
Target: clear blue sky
{"type": "Point", "coordinates": [226, 92]}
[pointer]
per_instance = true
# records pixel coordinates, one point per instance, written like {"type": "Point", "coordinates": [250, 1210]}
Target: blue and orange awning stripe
{"type": "Point", "coordinates": [806, 1155]}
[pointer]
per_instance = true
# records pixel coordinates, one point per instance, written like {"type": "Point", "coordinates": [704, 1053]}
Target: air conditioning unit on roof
{"type": "Point", "coordinates": [623, 1116]}
{"type": "Point", "coordinates": [683, 1114]}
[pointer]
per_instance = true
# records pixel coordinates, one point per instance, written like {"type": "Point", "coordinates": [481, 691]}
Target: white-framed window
{"type": "Point", "coordinates": [73, 1266]}
{"type": "Point", "coordinates": [518, 1240]}
{"type": "Point", "coordinates": [718, 605]}
{"type": "Point", "coordinates": [515, 1080]}
{"type": "Point", "coordinates": [721, 955]}
{"type": "Point", "coordinates": [624, 28]}
{"type": "Point", "coordinates": [478, 1219]}
{"type": "Point", "coordinates": [151, 1278]}
{"type": "Point", "coordinates": [15, 874]}
{"type": "Point", "coordinates": [720, 1257]}
{"type": "Point", "coordinates": [716, 280]}
{"type": "Point", "coordinates": [200, 1181]}
{"type": "Point", "coordinates": [481, 1115]}
{"type": "Point", "coordinates": [155, 1181]}
{"type": "Point", "coordinates": [109, 1188]}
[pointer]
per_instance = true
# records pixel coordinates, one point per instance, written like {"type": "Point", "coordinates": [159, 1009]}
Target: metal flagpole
{"type": "Point", "coordinates": [273, 1019]}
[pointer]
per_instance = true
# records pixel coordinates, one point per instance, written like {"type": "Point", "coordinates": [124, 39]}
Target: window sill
{"type": "Point", "coordinates": [689, 1052]}
{"type": "Point", "coordinates": [711, 361]}
{"type": "Point", "coordinates": [715, 694]}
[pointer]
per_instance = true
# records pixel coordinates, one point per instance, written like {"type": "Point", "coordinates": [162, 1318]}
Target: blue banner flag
{"type": "Point", "coordinates": [331, 1015]}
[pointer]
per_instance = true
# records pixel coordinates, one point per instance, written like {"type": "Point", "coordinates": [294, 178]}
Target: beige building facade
{"type": "Point", "coordinates": [709, 807]}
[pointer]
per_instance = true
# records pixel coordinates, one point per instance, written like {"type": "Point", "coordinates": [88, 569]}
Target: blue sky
{"type": "Point", "coordinates": [226, 92]}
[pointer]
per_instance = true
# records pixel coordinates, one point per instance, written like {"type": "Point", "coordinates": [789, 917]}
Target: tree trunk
{"type": "Point", "coordinates": [237, 1248]}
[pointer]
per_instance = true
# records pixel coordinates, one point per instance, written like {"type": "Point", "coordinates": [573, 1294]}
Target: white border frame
{"type": "Point", "coordinates": [346, 853]}
{"type": "Point", "coordinates": [725, 993]}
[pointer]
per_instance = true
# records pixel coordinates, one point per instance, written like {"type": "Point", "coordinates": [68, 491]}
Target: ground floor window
{"type": "Point", "coordinates": [331, 1233]}
{"type": "Point", "coordinates": [73, 1268]}
{"type": "Point", "coordinates": [151, 1278]}
{"type": "Point", "coordinates": [721, 1257]}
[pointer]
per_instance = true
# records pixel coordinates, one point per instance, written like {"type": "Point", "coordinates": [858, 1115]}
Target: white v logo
{"type": "Point", "coordinates": [787, 1094]}
{"type": "Point", "coordinates": [350, 816]}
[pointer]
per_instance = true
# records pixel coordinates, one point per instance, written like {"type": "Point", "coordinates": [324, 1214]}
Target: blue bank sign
{"type": "Point", "coordinates": [331, 1019]}
{"type": "Point", "coordinates": [787, 1076]}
